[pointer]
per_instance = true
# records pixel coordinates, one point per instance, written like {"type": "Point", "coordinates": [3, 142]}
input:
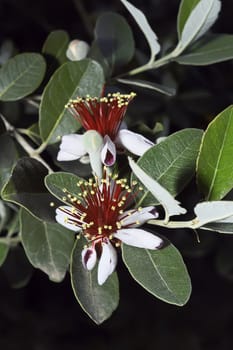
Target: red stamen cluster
{"type": "Point", "coordinates": [103, 114]}
{"type": "Point", "coordinates": [97, 207]}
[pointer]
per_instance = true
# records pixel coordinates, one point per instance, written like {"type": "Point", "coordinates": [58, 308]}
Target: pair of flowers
{"type": "Point", "coordinates": [101, 211]}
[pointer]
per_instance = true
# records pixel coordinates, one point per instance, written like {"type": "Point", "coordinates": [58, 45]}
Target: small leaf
{"type": "Point", "coordinates": [4, 248]}
{"type": "Point", "coordinates": [47, 246]}
{"type": "Point", "coordinates": [148, 85]}
{"type": "Point", "coordinates": [199, 22]}
{"type": "Point", "coordinates": [58, 183]}
{"type": "Point", "coordinates": [26, 188]}
{"type": "Point", "coordinates": [72, 79]}
{"type": "Point", "coordinates": [114, 38]}
{"type": "Point", "coordinates": [56, 45]}
{"type": "Point", "coordinates": [161, 272]}
{"type": "Point", "coordinates": [21, 75]}
{"type": "Point", "coordinates": [143, 24]}
{"type": "Point", "coordinates": [97, 301]}
{"type": "Point", "coordinates": [218, 48]}
{"type": "Point", "coordinates": [8, 158]}
{"type": "Point", "coordinates": [215, 166]}
{"type": "Point", "coordinates": [171, 206]}
{"type": "Point", "coordinates": [185, 9]}
{"type": "Point", "coordinates": [166, 161]}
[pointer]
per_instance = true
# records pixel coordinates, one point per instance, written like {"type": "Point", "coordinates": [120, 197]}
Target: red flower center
{"type": "Point", "coordinates": [97, 208]}
{"type": "Point", "coordinates": [103, 114]}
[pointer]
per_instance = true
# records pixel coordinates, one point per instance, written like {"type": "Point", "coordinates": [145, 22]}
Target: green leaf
{"type": "Point", "coordinates": [21, 75]}
{"type": "Point", "coordinates": [161, 272]}
{"type": "Point", "coordinates": [4, 215]}
{"type": "Point", "coordinates": [26, 188]}
{"type": "Point", "coordinates": [59, 182]}
{"type": "Point", "coordinates": [172, 162]}
{"type": "Point", "coordinates": [218, 48]}
{"type": "Point", "coordinates": [47, 246]}
{"type": "Point", "coordinates": [97, 301]}
{"type": "Point", "coordinates": [4, 248]}
{"type": "Point", "coordinates": [148, 85]}
{"type": "Point", "coordinates": [56, 45]}
{"type": "Point", "coordinates": [185, 9]}
{"type": "Point", "coordinates": [8, 158]}
{"type": "Point", "coordinates": [110, 30]}
{"type": "Point", "coordinates": [72, 79]}
{"type": "Point", "coordinates": [214, 165]}
{"type": "Point", "coordinates": [220, 227]}
{"type": "Point", "coordinates": [143, 24]}
{"type": "Point", "coordinates": [199, 22]}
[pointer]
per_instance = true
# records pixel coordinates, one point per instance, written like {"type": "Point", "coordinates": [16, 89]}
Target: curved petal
{"type": "Point", "coordinates": [138, 217]}
{"type": "Point", "coordinates": [108, 153]}
{"type": "Point", "coordinates": [107, 263]}
{"type": "Point", "coordinates": [71, 147]}
{"type": "Point", "coordinates": [139, 238]}
{"type": "Point", "coordinates": [133, 142]}
{"type": "Point", "coordinates": [89, 258]}
{"type": "Point", "coordinates": [63, 215]}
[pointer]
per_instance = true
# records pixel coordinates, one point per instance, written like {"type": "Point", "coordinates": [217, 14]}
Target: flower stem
{"type": "Point", "coordinates": [10, 240]}
{"type": "Point", "coordinates": [156, 64]}
{"type": "Point", "coordinates": [29, 150]}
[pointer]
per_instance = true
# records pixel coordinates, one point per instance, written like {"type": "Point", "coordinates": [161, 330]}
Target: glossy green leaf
{"type": "Point", "coordinates": [58, 183]}
{"type": "Point", "coordinates": [218, 48]}
{"type": "Point", "coordinates": [72, 79]}
{"type": "Point", "coordinates": [161, 272]}
{"type": "Point", "coordinates": [110, 30]}
{"type": "Point", "coordinates": [148, 85]}
{"type": "Point", "coordinates": [47, 246]}
{"type": "Point", "coordinates": [21, 75]}
{"type": "Point", "coordinates": [56, 45]}
{"type": "Point", "coordinates": [171, 162]}
{"type": "Point", "coordinates": [97, 301]}
{"type": "Point", "coordinates": [143, 24]}
{"type": "Point", "coordinates": [26, 188]}
{"type": "Point", "coordinates": [4, 248]}
{"type": "Point", "coordinates": [215, 166]}
{"type": "Point", "coordinates": [185, 9]}
{"type": "Point", "coordinates": [8, 158]}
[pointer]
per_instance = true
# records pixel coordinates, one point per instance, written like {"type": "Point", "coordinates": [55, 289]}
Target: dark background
{"type": "Point", "coordinates": [45, 316]}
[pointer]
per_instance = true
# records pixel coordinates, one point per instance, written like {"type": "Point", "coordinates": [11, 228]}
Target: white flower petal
{"type": "Point", "coordinates": [77, 50]}
{"type": "Point", "coordinates": [62, 217]}
{"type": "Point", "coordinates": [71, 147]}
{"type": "Point", "coordinates": [138, 238]}
{"type": "Point", "coordinates": [89, 258]}
{"type": "Point", "coordinates": [107, 263]}
{"type": "Point", "coordinates": [170, 204]}
{"type": "Point", "coordinates": [93, 143]}
{"type": "Point", "coordinates": [138, 217]}
{"type": "Point", "coordinates": [133, 142]}
{"type": "Point", "coordinates": [108, 153]}
{"type": "Point", "coordinates": [214, 211]}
